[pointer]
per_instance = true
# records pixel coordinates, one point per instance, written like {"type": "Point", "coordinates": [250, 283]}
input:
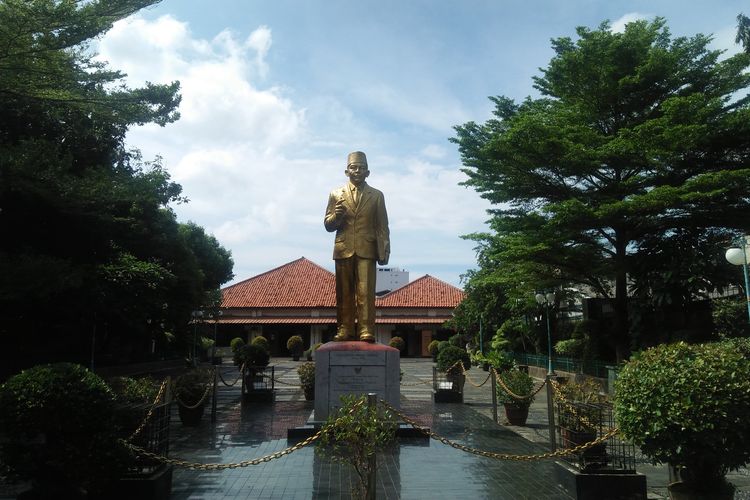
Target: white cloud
{"type": "Point", "coordinates": [257, 166]}
{"type": "Point", "coordinates": [618, 25]}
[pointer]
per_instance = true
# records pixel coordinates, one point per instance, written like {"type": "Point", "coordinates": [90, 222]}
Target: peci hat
{"type": "Point", "coordinates": [356, 156]}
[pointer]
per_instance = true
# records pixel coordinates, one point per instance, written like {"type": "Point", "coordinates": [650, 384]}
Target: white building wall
{"type": "Point", "coordinates": [390, 278]}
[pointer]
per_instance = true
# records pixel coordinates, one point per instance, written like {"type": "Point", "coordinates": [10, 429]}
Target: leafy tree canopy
{"type": "Point", "coordinates": [638, 141]}
{"type": "Point", "coordinates": [92, 248]}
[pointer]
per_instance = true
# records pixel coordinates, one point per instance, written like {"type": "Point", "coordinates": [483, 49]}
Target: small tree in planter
{"type": "Point", "coordinates": [449, 361]}
{"type": "Point", "coordinates": [353, 434]}
{"type": "Point", "coordinates": [60, 431]}
{"type": "Point", "coordinates": [191, 391]}
{"type": "Point", "coordinates": [688, 405]}
{"type": "Point", "coordinates": [397, 343]}
{"type": "Point", "coordinates": [306, 373]}
{"type": "Point", "coordinates": [517, 404]}
{"type": "Point", "coordinates": [582, 410]}
{"type": "Point", "coordinates": [295, 346]}
{"type": "Point", "coordinates": [432, 348]}
{"type": "Point", "coordinates": [261, 341]}
{"type": "Point", "coordinates": [253, 357]}
{"type": "Point", "coordinates": [236, 345]}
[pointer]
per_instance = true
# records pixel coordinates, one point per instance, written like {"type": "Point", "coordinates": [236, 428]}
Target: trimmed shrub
{"type": "Point", "coordinates": [59, 428]}
{"type": "Point", "coordinates": [520, 383]}
{"type": "Point", "coordinates": [688, 405]}
{"type": "Point", "coordinates": [449, 356]}
{"type": "Point", "coordinates": [261, 341]}
{"type": "Point", "coordinates": [457, 341]}
{"type": "Point", "coordinates": [432, 347]}
{"type": "Point", "coordinates": [237, 344]}
{"type": "Point", "coordinates": [191, 385]}
{"type": "Point", "coordinates": [306, 372]}
{"type": "Point", "coordinates": [294, 345]}
{"type": "Point", "coordinates": [254, 355]}
{"type": "Point", "coordinates": [397, 342]}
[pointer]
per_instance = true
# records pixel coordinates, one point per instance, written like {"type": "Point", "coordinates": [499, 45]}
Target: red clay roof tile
{"type": "Point", "coordinates": [302, 283]}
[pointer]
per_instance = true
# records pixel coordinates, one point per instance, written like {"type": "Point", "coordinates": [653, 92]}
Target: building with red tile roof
{"type": "Point", "coordinates": [299, 298]}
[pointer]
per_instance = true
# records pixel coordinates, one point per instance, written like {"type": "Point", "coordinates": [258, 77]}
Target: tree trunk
{"type": "Point", "coordinates": [621, 326]}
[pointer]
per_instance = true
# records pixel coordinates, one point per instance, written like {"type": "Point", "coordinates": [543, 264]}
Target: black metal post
{"type": "Point", "coordinates": [372, 401]}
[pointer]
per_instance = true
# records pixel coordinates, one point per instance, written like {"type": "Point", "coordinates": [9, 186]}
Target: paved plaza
{"type": "Point", "coordinates": [412, 468]}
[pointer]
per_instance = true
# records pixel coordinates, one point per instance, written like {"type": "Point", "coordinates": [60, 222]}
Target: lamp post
{"type": "Point", "coordinates": [547, 299]}
{"type": "Point", "coordinates": [739, 255]}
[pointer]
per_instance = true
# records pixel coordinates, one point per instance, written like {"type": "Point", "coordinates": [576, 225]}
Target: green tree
{"type": "Point", "coordinates": [743, 31]}
{"type": "Point", "coordinates": [94, 251]}
{"type": "Point", "coordinates": [637, 140]}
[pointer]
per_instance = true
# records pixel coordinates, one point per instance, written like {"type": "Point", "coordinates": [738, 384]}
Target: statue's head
{"type": "Point", "coordinates": [356, 167]}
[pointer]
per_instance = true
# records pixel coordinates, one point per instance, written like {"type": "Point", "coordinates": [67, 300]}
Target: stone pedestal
{"type": "Point", "coordinates": [354, 368]}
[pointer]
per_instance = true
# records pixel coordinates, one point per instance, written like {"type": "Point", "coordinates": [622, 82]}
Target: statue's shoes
{"type": "Point", "coordinates": [367, 337]}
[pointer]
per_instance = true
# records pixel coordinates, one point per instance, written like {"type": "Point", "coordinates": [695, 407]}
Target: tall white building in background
{"type": "Point", "coordinates": [390, 278]}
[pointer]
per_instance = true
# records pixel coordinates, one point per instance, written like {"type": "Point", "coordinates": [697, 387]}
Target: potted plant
{"type": "Point", "coordinates": [306, 372]}
{"type": "Point", "coordinates": [500, 360]}
{"type": "Point", "coordinates": [142, 420]}
{"type": "Point", "coordinates": [254, 359]}
{"type": "Point", "coordinates": [397, 343]}
{"type": "Point", "coordinates": [432, 348]}
{"type": "Point", "coordinates": [60, 431]}
{"type": "Point", "coordinates": [261, 341]}
{"type": "Point", "coordinates": [236, 345]}
{"type": "Point", "coordinates": [517, 404]}
{"type": "Point", "coordinates": [294, 345]}
{"type": "Point", "coordinates": [191, 391]}
{"type": "Point", "coordinates": [687, 405]}
{"type": "Point", "coordinates": [448, 363]}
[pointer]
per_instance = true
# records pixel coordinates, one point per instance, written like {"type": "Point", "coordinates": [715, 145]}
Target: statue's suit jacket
{"type": "Point", "coordinates": [362, 230]}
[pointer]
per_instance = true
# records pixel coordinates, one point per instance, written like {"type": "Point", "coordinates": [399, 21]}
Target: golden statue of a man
{"type": "Point", "coordinates": [357, 213]}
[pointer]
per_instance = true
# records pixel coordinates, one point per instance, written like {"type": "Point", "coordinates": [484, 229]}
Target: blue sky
{"type": "Point", "coordinates": [276, 93]}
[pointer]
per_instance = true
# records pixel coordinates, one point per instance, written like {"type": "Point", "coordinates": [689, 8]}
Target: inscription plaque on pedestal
{"type": "Point", "coordinates": [354, 368]}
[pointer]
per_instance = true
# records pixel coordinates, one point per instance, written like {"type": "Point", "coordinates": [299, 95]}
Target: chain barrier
{"type": "Point", "coordinates": [214, 466]}
{"type": "Point", "coordinates": [196, 405]}
{"type": "Point", "coordinates": [500, 456]}
{"type": "Point", "coordinates": [298, 384]}
{"type": "Point", "coordinates": [513, 394]}
{"type": "Point", "coordinates": [463, 368]}
{"type": "Point", "coordinates": [150, 412]}
{"type": "Point", "coordinates": [418, 382]}
{"type": "Point", "coordinates": [221, 377]}
{"type": "Point", "coordinates": [560, 397]}
{"type": "Point", "coordinates": [178, 462]}
{"type": "Point", "coordinates": [414, 384]}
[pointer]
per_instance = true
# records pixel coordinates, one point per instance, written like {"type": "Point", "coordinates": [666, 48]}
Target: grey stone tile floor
{"type": "Point", "coordinates": [410, 469]}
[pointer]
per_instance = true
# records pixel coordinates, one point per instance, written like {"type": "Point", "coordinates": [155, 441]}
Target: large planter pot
{"type": "Point", "coordinates": [457, 381]}
{"type": "Point", "coordinates": [595, 456]}
{"type": "Point", "coordinates": [191, 417]}
{"type": "Point", "coordinates": [516, 415]}
{"type": "Point", "coordinates": [295, 357]}
{"type": "Point", "coordinates": [309, 391]}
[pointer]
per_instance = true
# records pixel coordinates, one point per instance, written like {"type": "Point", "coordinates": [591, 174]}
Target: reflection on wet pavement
{"type": "Point", "coordinates": [411, 468]}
